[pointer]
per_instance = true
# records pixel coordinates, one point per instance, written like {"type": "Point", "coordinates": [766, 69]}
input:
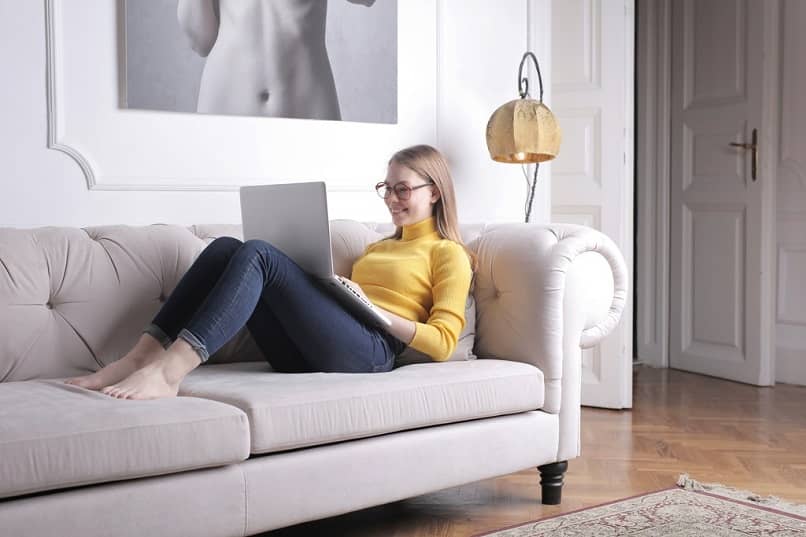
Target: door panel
{"type": "Point", "coordinates": [592, 79]}
{"type": "Point", "coordinates": [715, 51]}
{"type": "Point", "coordinates": [717, 215]}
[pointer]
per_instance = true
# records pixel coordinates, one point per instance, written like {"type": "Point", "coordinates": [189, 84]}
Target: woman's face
{"type": "Point", "coordinates": [420, 204]}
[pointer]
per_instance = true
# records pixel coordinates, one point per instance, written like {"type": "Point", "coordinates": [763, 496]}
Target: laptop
{"type": "Point", "coordinates": [293, 218]}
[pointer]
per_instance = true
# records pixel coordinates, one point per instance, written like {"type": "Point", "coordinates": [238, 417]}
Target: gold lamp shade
{"type": "Point", "coordinates": [523, 131]}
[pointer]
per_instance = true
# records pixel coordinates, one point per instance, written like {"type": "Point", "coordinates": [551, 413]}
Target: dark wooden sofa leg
{"type": "Point", "coordinates": [551, 482]}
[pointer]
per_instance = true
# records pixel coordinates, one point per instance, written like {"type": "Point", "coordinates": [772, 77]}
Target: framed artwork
{"type": "Point", "coordinates": [128, 78]}
{"type": "Point", "coordinates": [303, 59]}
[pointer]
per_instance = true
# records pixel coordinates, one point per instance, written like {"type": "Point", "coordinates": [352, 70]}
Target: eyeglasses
{"type": "Point", "coordinates": [402, 190]}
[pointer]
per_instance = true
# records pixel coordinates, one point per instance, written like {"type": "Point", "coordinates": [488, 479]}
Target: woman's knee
{"type": "Point", "coordinates": [226, 242]}
{"type": "Point", "coordinates": [259, 252]}
{"type": "Point", "coordinates": [258, 246]}
{"type": "Point", "coordinates": [223, 247]}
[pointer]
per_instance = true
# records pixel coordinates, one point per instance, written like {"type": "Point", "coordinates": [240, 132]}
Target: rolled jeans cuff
{"type": "Point", "coordinates": [157, 333]}
{"type": "Point", "coordinates": [193, 341]}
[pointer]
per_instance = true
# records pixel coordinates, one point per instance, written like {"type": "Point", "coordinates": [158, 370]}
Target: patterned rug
{"type": "Point", "coordinates": [688, 510]}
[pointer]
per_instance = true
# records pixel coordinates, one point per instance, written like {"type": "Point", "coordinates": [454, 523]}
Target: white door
{"type": "Point", "coordinates": [721, 227]}
{"type": "Point", "coordinates": [592, 179]}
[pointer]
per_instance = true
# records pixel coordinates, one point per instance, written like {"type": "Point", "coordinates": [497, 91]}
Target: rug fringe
{"type": "Point", "coordinates": [687, 483]}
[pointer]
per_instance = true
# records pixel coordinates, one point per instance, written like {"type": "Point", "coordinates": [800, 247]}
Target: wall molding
{"type": "Point", "coordinates": [51, 67]}
{"type": "Point", "coordinates": [56, 126]}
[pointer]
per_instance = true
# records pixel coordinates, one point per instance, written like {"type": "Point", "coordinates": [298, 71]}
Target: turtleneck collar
{"type": "Point", "coordinates": [419, 229]}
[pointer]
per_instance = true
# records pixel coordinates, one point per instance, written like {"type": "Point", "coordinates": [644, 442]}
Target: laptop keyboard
{"type": "Point", "coordinates": [356, 293]}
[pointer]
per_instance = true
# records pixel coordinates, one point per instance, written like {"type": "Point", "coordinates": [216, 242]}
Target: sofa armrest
{"type": "Point", "coordinates": [543, 292]}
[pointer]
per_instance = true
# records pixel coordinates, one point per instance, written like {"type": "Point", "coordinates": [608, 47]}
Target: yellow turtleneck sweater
{"type": "Point", "coordinates": [423, 278]}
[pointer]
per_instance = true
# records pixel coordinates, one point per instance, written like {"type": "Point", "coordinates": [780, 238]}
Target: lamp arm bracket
{"type": "Point", "coordinates": [523, 83]}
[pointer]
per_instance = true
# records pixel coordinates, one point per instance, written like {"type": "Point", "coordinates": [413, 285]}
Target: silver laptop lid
{"type": "Point", "coordinates": [292, 217]}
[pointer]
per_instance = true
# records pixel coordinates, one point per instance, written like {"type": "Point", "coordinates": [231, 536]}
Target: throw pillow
{"type": "Point", "coordinates": [464, 346]}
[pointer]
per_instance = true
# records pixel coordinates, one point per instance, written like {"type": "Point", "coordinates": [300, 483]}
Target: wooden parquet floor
{"type": "Point", "coordinates": [717, 431]}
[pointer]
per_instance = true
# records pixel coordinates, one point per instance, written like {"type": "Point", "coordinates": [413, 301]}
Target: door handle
{"type": "Point", "coordinates": [754, 148]}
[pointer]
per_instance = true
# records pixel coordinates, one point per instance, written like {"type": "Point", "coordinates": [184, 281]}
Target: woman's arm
{"type": "Point", "coordinates": [199, 20]}
{"type": "Point", "coordinates": [401, 328]}
{"type": "Point", "coordinates": [452, 274]}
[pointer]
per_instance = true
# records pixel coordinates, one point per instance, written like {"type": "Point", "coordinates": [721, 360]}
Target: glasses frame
{"type": "Point", "coordinates": [404, 188]}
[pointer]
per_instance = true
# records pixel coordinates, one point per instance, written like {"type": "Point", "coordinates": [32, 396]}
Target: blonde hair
{"type": "Point", "coordinates": [428, 163]}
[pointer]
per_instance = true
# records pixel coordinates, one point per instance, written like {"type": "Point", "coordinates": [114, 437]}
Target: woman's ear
{"type": "Point", "coordinates": [435, 195]}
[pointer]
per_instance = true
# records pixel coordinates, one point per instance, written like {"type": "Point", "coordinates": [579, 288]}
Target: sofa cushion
{"type": "Point", "coordinates": [294, 410]}
{"type": "Point", "coordinates": [54, 435]}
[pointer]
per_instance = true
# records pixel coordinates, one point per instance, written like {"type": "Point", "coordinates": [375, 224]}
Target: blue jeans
{"type": "Point", "coordinates": [296, 323]}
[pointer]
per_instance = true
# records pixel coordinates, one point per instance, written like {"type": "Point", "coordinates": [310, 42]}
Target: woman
{"type": "Point", "coordinates": [420, 277]}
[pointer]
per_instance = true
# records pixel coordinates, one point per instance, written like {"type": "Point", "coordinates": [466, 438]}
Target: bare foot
{"type": "Point", "coordinates": [159, 378]}
{"type": "Point", "coordinates": [141, 355]}
{"type": "Point", "coordinates": [149, 382]}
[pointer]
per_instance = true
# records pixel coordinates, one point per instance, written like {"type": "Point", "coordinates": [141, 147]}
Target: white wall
{"type": "Point", "coordinates": [790, 364]}
{"type": "Point", "coordinates": [480, 45]}
{"type": "Point", "coordinates": [478, 71]}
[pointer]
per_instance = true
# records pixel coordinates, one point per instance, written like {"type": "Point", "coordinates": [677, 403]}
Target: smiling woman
{"type": "Point", "coordinates": [420, 276]}
{"type": "Point", "coordinates": [275, 58]}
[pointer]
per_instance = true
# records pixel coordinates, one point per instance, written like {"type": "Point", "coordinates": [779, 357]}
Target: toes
{"type": "Point", "coordinates": [130, 393]}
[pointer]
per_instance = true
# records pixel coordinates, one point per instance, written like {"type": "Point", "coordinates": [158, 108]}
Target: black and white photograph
{"type": "Point", "coordinates": [304, 59]}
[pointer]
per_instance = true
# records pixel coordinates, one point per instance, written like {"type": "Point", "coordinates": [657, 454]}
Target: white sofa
{"type": "Point", "coordinates": [245, 450]}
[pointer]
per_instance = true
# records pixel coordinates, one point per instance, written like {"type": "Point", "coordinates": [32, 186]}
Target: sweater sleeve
{"type": "Point", "coordinates": [451, 275]}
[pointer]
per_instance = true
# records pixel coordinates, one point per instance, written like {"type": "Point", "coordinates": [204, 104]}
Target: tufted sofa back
{"type": "Point", "coordinates": [73, 300]}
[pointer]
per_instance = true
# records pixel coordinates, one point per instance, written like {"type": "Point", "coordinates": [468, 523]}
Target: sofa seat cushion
{"type": "Point", "coordinates": [295, 410]}
{"type": "Point", "coordinates": [54, 435]}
